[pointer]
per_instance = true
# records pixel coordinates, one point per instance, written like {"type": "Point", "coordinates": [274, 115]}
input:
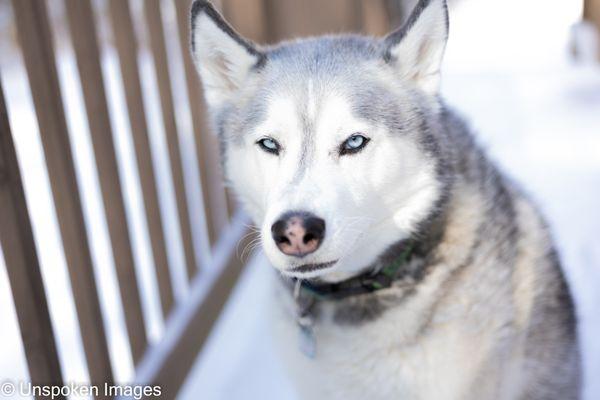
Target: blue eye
{"type": "Point", "coordinates": [269, 145]}
{"type": "Point", "coordinates": [353, 144]}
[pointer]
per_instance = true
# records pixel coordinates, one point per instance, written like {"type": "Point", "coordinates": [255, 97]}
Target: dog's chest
{"type": "Point", "coordinates": [379, 359]}
{"type": "Point", "coordinates": [407, 351]}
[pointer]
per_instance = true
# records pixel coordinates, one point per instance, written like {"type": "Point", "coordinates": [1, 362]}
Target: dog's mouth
{"type": "Point", "coordinates": [304, 268]}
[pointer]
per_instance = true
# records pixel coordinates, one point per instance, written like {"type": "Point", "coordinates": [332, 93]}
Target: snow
{"type": "Point", "coordinates": [507, 69]}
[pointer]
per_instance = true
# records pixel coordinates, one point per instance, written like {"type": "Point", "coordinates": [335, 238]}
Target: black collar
{"type": "Point", "coordinates": [365, 283]}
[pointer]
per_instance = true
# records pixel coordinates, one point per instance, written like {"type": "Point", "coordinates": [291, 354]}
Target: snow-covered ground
{"type": "Point", "coordinates": [507, 70]}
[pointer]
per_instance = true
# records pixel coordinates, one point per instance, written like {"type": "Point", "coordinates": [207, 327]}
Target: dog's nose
{"type": "Point", "coordinates": [298, 233]}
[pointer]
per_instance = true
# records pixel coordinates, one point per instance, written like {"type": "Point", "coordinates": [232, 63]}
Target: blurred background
{"type": "Point", "coordinates": [124, 260]}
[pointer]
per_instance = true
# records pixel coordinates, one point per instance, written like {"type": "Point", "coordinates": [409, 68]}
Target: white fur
{"type": "Point", "coordinates": [364, 214]}
{"type": "Point", "coordinates": [223, 63]}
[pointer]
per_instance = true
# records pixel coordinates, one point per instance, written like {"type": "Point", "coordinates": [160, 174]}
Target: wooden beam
{"type": "Point", "coordinates": [591, 13]}
{"type": "Point", "coordinates": [168, 363]}
{"type": "Point", "coordinates": [207, 148]}
{"type": "Point", "coordinates": [292, 18]}
{"type": "Point", "coordinates": [23, 266]}
{"type": "Point", "coordinates": [35, 37]}
{"type": "Point", "coordinates": [126, 44]}
{"type": "Point", "coordinates": [161, 68]}
{"type": "Point", "coordinates": [85, 44]}
{"type": "Point", "coordinates": [248, 18]}
{"type": "Point", "coordinates": [375, 19]}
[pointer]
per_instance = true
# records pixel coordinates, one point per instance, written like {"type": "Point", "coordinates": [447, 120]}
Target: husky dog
{"type": "Point", "coordinates": [409, 266]}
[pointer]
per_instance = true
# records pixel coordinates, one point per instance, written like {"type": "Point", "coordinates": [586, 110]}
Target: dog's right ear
{"type": "Point", "coordinates": [222, 57]}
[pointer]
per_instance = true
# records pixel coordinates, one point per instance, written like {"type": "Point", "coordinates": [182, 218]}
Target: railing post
{"type": "Point", "coordinates": [591, 13]}
{"type": "Point", "coordinates": [161, 67]}
{"type": "Point", "coordinates": [23, 266]}
{"type": "Point", "coordinates": [125, 41]}
{"type": "Point", "coordinates": [35, 37]}
{"type": "Point", "coordinates": [292, 18]}
{"type": "Point", "coordinates": [375, 19]}
{"type": "Point", "coordinates": [213, 194]}
{"type": "Point", "coordinates": [85, 43]}
{"type": "Point", "coordinates": [248, 17]}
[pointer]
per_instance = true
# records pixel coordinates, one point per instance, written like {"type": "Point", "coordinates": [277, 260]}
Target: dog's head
{"type": "Point", "coordinates": [327, 140]}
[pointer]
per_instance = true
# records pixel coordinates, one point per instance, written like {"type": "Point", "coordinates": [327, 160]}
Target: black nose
{"type": "Point", "coordinates": [298, 233]}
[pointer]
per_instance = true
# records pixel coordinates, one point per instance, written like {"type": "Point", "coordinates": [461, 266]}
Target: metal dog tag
{"type": "Point", "coordinates": [306, 340]}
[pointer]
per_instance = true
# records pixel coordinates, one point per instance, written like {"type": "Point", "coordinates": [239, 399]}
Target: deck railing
{"type": "Point", "coordinates": [189, 322]}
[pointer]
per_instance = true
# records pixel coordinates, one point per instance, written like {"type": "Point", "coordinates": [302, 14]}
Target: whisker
{"type": "Point", "coordinates": [237, 247]}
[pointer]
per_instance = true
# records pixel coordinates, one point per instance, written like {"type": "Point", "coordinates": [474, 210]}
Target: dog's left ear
{"type": "Point", "coordinates": [417, 48]}
{"type": "Point", "coordinates": [223, 57]}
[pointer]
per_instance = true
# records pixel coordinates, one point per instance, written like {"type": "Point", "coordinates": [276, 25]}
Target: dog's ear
{"type": "Point", "coordinates": [417, 48]}
{"type": "Point", "coordinates": [223, 58]}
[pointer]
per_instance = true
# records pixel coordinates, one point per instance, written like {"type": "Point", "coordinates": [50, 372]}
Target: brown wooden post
{"type": "Point", "coordinates": [207, 148]}
{"type": "Point", "coordinates": [249, 17]}
{"type": "Point", "coordinates": [23, 266]}
{"type": "Point", "coordinates": [85, 43]}
{"type": "Point", "coordinates": [375, 19]}
{"type": "Point", "coordinates": [161, 67]}
{"type": "Point", "coordinates": [293, 18]}
{"type": "Point", "coordinates": [35, 37]}
{"type": "Point", "coordinates": [127, 49]}
{"type": "Point", "coordinates": [591, 13]}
